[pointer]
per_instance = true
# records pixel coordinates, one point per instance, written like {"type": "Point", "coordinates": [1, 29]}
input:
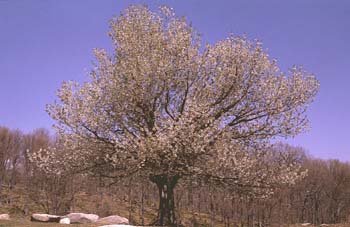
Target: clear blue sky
{"type": "Point", "coordinates": [43, 42]}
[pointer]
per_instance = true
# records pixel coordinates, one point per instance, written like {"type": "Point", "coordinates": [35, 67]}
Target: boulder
{"type": "Point", "coordinates": [306, 224]}
{"type": "Point", "coordinates": [45, 218]}
{"type": "Point", "coordinates": [112, 220]}
{"type": "Point", "coordinates": [65, 221]}
{"type": "Point", "coordinates": [4, 217]}
{"type": "Point", "coordinates": [81, 218]}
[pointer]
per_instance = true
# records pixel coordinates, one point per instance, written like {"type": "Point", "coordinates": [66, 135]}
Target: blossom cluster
{"type": "Point", "coordinates": [163, 104]}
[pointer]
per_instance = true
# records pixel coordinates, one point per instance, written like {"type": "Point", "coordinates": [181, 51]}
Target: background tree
{"type": "Point", "coordinates": [10, 157]}
{"type": "Point", "coordinates": [321, 197]}
{"type": "Point", "coordinates": [164, 107]}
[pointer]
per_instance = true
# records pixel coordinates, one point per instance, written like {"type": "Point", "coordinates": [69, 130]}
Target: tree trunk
{"type": "Point", "coordinates": [130, 201]}
{"type": "Point", "coordinates": [1, 179]}
{"type": "Point", "coordinates": [166, 211]}
{"type": "Point", "coordinates": [212, 211]}
{"type": "Point", "coordinates": [142, 205]}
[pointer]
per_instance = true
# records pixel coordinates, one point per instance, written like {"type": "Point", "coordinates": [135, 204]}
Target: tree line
{"type": "Point", "coordinates": [323, 196]}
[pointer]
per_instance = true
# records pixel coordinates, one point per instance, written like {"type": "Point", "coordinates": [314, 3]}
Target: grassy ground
{"type": "Point", "coordinates": [330, 225]}
{"type": "Point", "coordinates": [20, 222]}
{"type": "Point", "coordinates": [28, 223]}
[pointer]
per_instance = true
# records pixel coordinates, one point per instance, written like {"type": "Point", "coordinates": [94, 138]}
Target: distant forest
{"type": "Point", "coordinates": [323, 196]}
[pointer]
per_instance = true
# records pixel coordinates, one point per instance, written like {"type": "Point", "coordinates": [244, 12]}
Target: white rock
{"type": "Point", "coordinates": [45, 218]}
{"type": "Point", "coordinates": [81, 218]}
{"type": "Point", "coordinates": [306, 224]}
{"type": "Point", "coordinates": [113, 220]}
{"type": "Point", "coordinates": [65, 221]}
{"type": "Point", "coordinates": [4, 217]}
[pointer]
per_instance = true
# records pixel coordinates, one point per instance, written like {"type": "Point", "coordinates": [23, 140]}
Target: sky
{"type": "Point", "coordinates": [46, 42]}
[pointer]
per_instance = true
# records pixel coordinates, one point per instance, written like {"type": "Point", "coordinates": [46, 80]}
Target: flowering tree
{"type": "Point", "coordinates": [164, 107]}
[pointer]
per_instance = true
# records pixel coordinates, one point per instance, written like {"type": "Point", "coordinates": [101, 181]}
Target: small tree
{"type": "Point", "coordinates": [166, 108]}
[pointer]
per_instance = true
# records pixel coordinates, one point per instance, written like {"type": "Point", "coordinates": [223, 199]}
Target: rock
{"type": "Point", "coordinates": [81, 218]}
{"type": "Point", "coordinates": [306, 224]}
{"type": "Point", "coordinates": [112, 220]}
{"type": "Point", "coordinates": [4, 217]}
{"type": "Point", "coordinates": [65, 221]}
{"type": "Point", "coordinates": [45, 218]}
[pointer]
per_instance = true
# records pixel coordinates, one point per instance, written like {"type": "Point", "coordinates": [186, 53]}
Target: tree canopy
{"type": "Point", "coordinates": [164, 106]}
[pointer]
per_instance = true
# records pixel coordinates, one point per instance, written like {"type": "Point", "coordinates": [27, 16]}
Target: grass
{"type": "Point", "coordinates": [21, 222]}
{"type": "Point", "coordinates": [28, 223]}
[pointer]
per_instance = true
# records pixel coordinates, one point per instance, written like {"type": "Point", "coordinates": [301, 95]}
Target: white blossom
{"type": "Point", "coordinates": [162, 104]}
